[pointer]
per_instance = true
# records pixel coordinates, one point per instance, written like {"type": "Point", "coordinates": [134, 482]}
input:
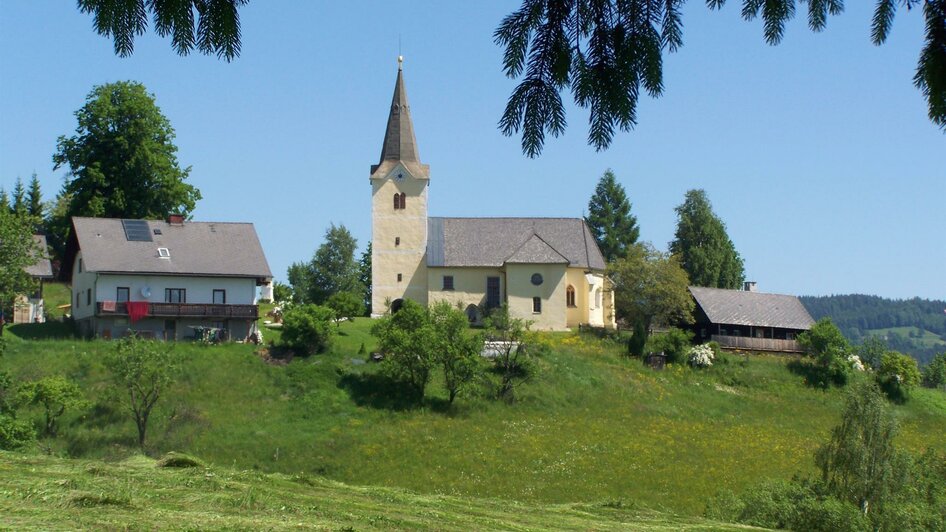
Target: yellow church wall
{"type": "Point", "coordinates": [579, 313]}
{"type": "Point", "coordinates": [469, 285]}
{"type": "Point", "coordinates": [398, 240]}
{"type": "Point", "coordinates": [520, 291]}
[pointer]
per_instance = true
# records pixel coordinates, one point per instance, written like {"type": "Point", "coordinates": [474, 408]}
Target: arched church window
{"type": "Point", "coordinates": [397, 201]}
{"type": "Point", "coordinates": [403, 200]}
{"type": "Point", "coordinates": [570, 296]}
{"type": "Point", "coordinates": [598, 298]}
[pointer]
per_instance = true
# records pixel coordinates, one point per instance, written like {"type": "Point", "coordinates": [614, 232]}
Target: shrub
{"type": "Point", "coordinates": [307, 329]}
{"type": "Point", "coordinates": [897, 375]}
{"type": "Point", "coordinates": [346, 305]}
{"type": "Point", "coordinates": [830, 350]}
{"type": "Point", "coordinates": [637, 341]}
{"type": "Point", "coordinates": [675, 343]}
{"type": "Point", "coordinates": [701, 356]}
{"type": "Point", "coordinates": [934, 374]}
{"type": "Point", "coordinates": [55, 394]}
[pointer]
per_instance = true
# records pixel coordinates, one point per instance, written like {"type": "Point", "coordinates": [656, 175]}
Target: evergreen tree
{"type": "Point", "coordinates": [705, 250]}
{"type": "Point", "coordinates": [364, 277]}
{"type": "Point", "coordinates": [610, 219]}
{"type": "Point", "coordinates": [35, 198]}
{"type": "Point", "coordinates": [19, 206]}
{"type": "Point", "coordinates": [4, 199]}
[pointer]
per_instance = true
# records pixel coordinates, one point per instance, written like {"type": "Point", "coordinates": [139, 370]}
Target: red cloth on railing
{"type": "Point", "coordinates": [137, 310]}
{"type": "Point", "coordinates": [108, 306]}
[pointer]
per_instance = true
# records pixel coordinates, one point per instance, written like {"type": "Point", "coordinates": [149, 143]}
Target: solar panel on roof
{"type": "Point", "coordinates": [136, 230]}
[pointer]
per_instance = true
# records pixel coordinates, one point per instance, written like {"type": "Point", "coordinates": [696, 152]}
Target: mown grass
{"type": "Point", "coordinates": [591, 426]}
{"type": "Point", "coordinates": [38, 492]}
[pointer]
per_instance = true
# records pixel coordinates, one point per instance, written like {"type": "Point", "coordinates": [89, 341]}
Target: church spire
{"type": "Point", "coordinates": [399, 142]}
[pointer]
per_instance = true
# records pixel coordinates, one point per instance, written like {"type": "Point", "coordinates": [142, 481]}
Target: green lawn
{"type": "Point", "coordinates": [55, 295]}
{"type": "Point", "coordinates": [592, 426]}
{"type": "Point", "coordinates": [38, 492]}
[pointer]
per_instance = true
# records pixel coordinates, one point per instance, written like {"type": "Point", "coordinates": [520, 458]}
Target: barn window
{"type": "Point", "coordinates": [536, 305]}
{"type": "Point", "coordinates": [570, 296]}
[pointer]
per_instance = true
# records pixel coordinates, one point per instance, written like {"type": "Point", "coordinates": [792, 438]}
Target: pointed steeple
{"type": "Point", "coordinates": [399, 142]}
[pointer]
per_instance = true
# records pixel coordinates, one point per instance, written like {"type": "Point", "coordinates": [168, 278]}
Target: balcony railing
{"type": "Point", "coordinates": [186, 310]}
{"type": "Point", "coordinates": [757, 344]}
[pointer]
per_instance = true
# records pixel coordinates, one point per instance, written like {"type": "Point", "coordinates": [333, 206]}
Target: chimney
{"type": "Point", "coordinates": [749, 286]}
{"type": "Point", "coordinates": [175, 219]}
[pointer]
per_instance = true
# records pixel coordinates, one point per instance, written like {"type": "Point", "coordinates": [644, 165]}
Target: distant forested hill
{"type": "Point", "coordinates": [914, 326]}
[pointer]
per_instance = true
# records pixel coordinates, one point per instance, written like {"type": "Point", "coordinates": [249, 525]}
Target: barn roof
{"type": "Point", "coordinates": [492, 242]}
{"type": "Point", "coordinates": [756, 309]}
{"type": "Point", "coordinates": [42, 268]}
{"type": "Point", "coordinates": [193, 248]}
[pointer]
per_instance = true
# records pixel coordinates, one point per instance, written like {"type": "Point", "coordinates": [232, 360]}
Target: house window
{"type": "Point", "coordinates": [536, 305]}
{"type": "Point", "coordinates": [397, 241]}
{"type": "Point", "coordinates": [399, 277]}
{"type": "Point", "coordinates": [448, 282]}
{"type": "Point", "coordinates": [88, 296]}
{"type": "Point", "coordinates": [77, 300]}
{"type": "Point", "coordinates": [122, 294]}
{"type": "Point", "coordinates": [492, 292]}
{"type": "Point", "coordinates": [175, 295]}
{"type": "Point", "coordinates": [220, 297]}
{"type": "Point", "coordinates": [570, 296]}
{"type": "Point", "coordinates": [80, 265]}
{"type": "Point", "coordinates": [164, 253]}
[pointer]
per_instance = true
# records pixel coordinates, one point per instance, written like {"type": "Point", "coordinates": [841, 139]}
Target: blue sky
{"type": "Point", "coordinates": [817, 153]}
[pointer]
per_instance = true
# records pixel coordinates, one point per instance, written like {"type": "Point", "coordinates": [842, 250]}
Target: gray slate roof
{"type": "Point", "coordinates": [42, 268]}
{"type": "Point", "coordinates": [492, 242]}
{"type": "Point", "coordinates": [400, 145]}
{"type": "Point", "coordinates": [738, 307]}
{"type": "Point", "coordinates": [196, 248]}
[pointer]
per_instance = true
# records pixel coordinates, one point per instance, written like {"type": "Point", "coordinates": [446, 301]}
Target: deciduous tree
{"type": "Point", "coordinates": [332, 269]}
{"type": "Point", "coordinates": [17, 251]}
{"type": "Point", "coordinates": [122, 160]}
{"type": "Point", "coordinates": [610, 219]}
{"type": "Point", "coordinates": [142, 371]}
{"type": "Point", "coordinates": [650, 287]}
{"type": "Point", "coordinates": [346, 305]}
{"type": "Point", "coordinates": [513, 348]}
{"type": "Point", "coordinates": [705, 250]}
{"type": "Point", "coordinates": [831, 351]}
{"type": "Point", "coordinates": [407, 340]}
{"type": "Point", "coordinates": [364, 277]}
{"type": "Point", "coordinates": [456, 350]}
{"type": "Point", "coordinates": [55, 394]}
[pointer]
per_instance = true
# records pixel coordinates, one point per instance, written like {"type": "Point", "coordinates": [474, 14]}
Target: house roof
{"type": "Point", "coordinates": [757, 309]}
{"type": "Point", "coordinates": [194, 248]}
{"type": "Point", "coordinates": [42, 268]}
{"type": "Point", "coordinates": [492, 242]}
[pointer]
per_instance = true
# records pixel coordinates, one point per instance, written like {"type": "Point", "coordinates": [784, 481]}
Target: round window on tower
{"type": "Point", "coordinates": [537, 279]}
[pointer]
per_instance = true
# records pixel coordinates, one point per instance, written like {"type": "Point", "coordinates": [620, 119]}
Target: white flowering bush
{"type": "Point", "coordinates": [700, 356]}
{"type": "Point", "coordinates": [855, 362]}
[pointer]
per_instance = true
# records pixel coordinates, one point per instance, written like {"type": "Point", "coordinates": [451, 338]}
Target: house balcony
{"type": "Point", "coordinates": [749, 343]}
{"type": "Point", "coordinates": [186, 310]}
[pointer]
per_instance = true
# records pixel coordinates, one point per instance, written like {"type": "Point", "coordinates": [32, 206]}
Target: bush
{"type": "Point", "coordinates": [897, 375]}
{"type": "Point", "coordinates": [830, 350]}
{"type": "Point", "coordinates": [637, 341]}
{"type": "Point", "coordinates": [675, 344]}
{"type": "Point", "coordinates": [307, 329]}
{"type": "Point", "coordinates": [934, 374]}
{"type": "Point", "coordinates": [701, 356]}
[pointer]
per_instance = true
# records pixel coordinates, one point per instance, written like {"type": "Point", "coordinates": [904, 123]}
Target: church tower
{"type": "Point", "coordinates": [399, 184]}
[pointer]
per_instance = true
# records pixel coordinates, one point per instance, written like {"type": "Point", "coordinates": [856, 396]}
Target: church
{"type": "Point", "coordinates": [548, 271]}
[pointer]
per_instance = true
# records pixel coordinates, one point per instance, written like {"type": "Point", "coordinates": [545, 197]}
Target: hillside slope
{"type": "Point", "coordinates": [40, 492]}
{"type": "Point", "coordinates": [913, 326]}
{"type": "Point", "coordinates": [591, 426]}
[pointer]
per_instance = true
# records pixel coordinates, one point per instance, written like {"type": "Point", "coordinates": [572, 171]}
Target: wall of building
{"type": "Point", "coordinates": [82, 282]}
{"type": "Point", "coordinates": [469, 285]}
{"type": "Point", "coordinates": [408, 257]}
{"type": "Point", "coordinates": [167, 329]}
{"type": "Point", "coordinates": [240, 291]}
{"type": "Point", "coordinates": [520, 291]}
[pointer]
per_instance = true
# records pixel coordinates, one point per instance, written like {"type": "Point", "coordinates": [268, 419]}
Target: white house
{"type": "Point", "coordinates": [164, 279]}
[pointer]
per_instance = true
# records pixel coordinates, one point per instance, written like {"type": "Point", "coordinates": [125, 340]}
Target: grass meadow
{"type": "Point", "coordinates": [591, 428]}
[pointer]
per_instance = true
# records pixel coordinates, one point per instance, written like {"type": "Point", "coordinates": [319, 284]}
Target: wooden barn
{"type": "Point", "coordinates": [746, 319]}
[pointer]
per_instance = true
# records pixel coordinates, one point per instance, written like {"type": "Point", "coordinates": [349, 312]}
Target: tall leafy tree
{"type": "Point", "coordinates": [332, 269]}
{"type": "Point", "coordinates": [609, 52]}
{"type": "Point", "coordinates": [610, 219]}
{"type": "Point", "coordinates": [17, 251]}
{"type": "Point", "coordinates": [34, 198]}
{"type": "Point", "coordinates": [706, 252]}
{"type": "Point", "coordinates": [122, 159]}
{"type": "Point", "coordinates": [650, 287]}
{"type": "Point", "coordinates": [19, 205]}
